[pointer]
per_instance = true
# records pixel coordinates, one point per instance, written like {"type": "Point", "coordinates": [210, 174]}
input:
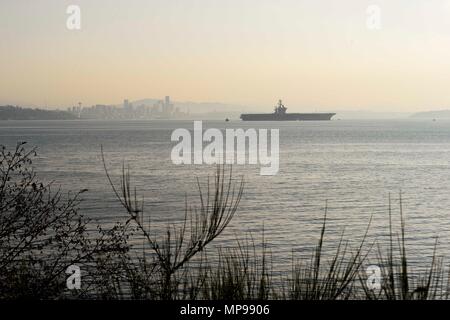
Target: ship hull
{"type": "Point", "coordinates": [287, 116]}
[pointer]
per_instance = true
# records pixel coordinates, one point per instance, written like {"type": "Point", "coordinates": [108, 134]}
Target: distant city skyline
{"type": "Point", "coordinates": [157, 109]}
{"type": "Point", "coordinates": [319, 55]}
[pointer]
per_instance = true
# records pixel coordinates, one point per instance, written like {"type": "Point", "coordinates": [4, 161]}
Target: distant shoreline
{"type": "Point", "coordinates": [18, 113]}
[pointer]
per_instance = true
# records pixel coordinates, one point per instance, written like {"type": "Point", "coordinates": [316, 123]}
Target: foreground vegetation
{"type": "Point", "coordinates": [42, 233]}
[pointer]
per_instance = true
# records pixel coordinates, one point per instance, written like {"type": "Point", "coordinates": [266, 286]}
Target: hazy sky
{"type": "Point", "coordinates": [316, 54]}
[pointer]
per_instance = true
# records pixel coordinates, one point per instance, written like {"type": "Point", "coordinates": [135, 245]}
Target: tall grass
{"type": "Point", "coordinates": [199, 227]}
{"type": "Point", "coordinates": [240, 274]}
{"type": "Point", "coordinates": [246, 272]}
{"type": "Point", "coordinates": [400, 282]}
{"type": "Point", "coordinates": [327, 280]}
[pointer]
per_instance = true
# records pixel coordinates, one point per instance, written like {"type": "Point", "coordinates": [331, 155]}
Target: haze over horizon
{"type": "Point", "coordinates": [313, 54]}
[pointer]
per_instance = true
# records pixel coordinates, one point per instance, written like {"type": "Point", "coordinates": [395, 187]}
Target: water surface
{"type": "Point", "coordinates": [352, 166]}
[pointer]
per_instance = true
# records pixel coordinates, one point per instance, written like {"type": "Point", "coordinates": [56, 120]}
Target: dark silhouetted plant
{"type": "Point", "coordinates": [330, 279]}
{"type": "Point", "coordinates": [397, 280]}
{"type": "Point", "coordinates": [199, 226]}
{"type": "Point", "coordinates": [41, 232]}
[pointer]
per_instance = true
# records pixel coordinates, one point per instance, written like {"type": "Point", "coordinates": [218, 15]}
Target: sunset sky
{"type": "Point", "coordinates": [314, 54]}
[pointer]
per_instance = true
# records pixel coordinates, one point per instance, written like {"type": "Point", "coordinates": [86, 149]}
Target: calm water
{"type": "Point", "coordinates": [353, 165]}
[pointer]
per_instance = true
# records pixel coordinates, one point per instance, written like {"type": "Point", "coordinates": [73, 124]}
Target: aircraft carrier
{"type": "Point", "coordinates": [280, 114]}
